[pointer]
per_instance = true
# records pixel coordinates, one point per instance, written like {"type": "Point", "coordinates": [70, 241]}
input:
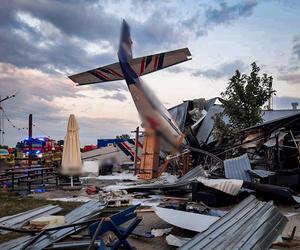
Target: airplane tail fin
{"type": "Point", "coordinates": [141, 66]}
{"type": "Point", "coordinates": [125, 48]}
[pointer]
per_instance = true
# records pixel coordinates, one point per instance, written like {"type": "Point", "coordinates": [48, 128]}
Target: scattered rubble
{"type": "Point", "coordinates": [250, 225]}
{"type": "Point", "coordinates": [19, 220]}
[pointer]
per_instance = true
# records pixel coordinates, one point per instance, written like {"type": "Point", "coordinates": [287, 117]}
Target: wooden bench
{"type": "Point", "coordinates": [27, 173]}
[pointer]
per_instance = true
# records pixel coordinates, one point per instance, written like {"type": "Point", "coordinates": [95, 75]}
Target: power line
{"type": "Point", "coordinates": [24, 128]}
{"type": "Point", "coordinates": [45, 133]}
{"type": "Point", "coordinates": [11, 123]}
{"type": "Point", "coordinates": [5, 116]}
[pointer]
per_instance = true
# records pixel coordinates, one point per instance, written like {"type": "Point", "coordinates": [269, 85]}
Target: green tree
{"type": "Point", "coordinates": [20, 145]}
{"type": "Point", "coordinates": [243, 100]}
{"type": "Point", "coordinates": [123, 136]}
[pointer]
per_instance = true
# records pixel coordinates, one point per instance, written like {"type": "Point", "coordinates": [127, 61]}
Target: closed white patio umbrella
{"type": "Point", "coordinates": [71, 158]}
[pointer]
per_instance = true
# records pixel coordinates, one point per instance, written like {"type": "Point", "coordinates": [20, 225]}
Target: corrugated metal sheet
{"type": "Point", "coordinates": [180, 183]}
{"type": "Point", "coordinates": [262, 173]}
{"type": "Point", "coordinates": [286, 116]}
{"type": "Point", "coordinates": [252, 224]}
{"type": "Point", "coordinates": [178, 114]}
{"type": "Point", "coordinates": [204, 134]}
{"type": "Point", "coordinates": [271, 115]}
{"type": "Point", "coordinates": [18, 220]}
{"type": "Point", "coordinates": [207, 124]}
{"type": "Point", "coordinates": [228, 186]}
{"type": "Point", "coordinates": [80, 214]}
{"type": "Point", "coordinates": [237, 168]}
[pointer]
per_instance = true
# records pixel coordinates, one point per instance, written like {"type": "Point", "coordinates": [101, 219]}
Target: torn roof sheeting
{"type": "Point", "coordinates": [261, 173]}
{"type": "Point", "coordinates": [178, 114]}
{"type": "Point", "coordinates": [182, 182]}
{"type": "Point", "coordinates": [282, 121]}
{"type": "Point", "coordinates": [277, 135]}
{"type": "Point", "coordinates": [83, 213]}
{"type": "Point", "coordinates": [18, 220]}
{"type": "Point", "coordinates": [213, 107]}
{"type": "Point", "coordinates": [238, 168]}
{"type": "Point", "coordinates": [232, 187]}
{"type": "Point", "coordinates": [252, 224]}
{"type": "Point", "coordinates": [204, 134]}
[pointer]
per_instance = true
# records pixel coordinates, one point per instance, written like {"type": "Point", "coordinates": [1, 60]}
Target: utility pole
{"type": "Point", "coordinates": [30, 140]}
{"type": "Point", "coordinates": [8, 97]}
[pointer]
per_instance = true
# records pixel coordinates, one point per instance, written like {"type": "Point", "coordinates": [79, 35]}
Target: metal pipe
{"type": "Point", "coordinates": [137, 131]}
{"type": "Point", "coordinates": [96, 233]}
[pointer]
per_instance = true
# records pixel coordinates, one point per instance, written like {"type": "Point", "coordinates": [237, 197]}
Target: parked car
{"type": "Point", "coordinates": [3, 154]}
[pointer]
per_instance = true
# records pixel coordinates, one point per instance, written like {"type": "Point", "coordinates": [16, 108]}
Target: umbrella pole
{"type": "Point", "coordinates": [71, 180]}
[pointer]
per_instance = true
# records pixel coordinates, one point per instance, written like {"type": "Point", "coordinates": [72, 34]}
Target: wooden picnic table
{"type": "Point", "coordinates": [25, 167]}
{"type": "Point", "coordinates": [26, 170]}
{"type": "Point", "coordinates": [29, 173]}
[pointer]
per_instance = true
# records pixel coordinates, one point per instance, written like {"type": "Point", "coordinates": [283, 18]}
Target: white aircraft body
{"type": "Point", "coordinates": [152, 112]}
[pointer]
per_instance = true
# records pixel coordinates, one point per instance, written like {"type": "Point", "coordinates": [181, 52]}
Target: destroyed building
{"type": "Point", "coordinates": [272, 145]}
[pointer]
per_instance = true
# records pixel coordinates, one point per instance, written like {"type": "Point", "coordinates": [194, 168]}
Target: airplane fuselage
{"type": "Point", "coordinates": [153, 114]}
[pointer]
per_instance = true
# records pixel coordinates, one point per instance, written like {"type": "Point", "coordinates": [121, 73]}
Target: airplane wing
{"type": "Point", "coordinates": [142, 66]}
{"type": "Point", "coordinates": [111, 72]}
{"type": "Point", "coordinates": [147, 64]}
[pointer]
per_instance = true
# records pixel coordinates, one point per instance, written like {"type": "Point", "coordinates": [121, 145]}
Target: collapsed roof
{"type": "Point", "coordinates": [195, 118]}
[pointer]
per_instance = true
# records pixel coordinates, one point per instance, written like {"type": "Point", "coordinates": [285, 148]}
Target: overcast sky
{"type": "Point", "coordinates": [42, 42]}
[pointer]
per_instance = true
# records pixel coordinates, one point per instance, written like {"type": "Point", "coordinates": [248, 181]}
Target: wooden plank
{"type": "Point", "coordinates": [150, 156]}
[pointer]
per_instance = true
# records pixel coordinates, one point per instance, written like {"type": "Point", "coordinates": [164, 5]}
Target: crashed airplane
{"type": "Point", "coordinates": [152, 112]}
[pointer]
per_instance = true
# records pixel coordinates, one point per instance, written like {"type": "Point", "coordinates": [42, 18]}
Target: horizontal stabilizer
{"type": "Point", "coordinates": [142, 66]}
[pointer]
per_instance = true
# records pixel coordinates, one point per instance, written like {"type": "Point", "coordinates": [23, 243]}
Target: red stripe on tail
{"type": "Point", "coordinates": [142, 66]}
{"type": "Point", "coordinates": [155, 62]}
{"type": "Point", "coordinates": [102, 75]}
{"type": "Point", "coordinates": [114, 72]}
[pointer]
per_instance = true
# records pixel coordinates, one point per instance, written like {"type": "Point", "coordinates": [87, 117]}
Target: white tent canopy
{"type": "Point", "coordinates": [71, 158]}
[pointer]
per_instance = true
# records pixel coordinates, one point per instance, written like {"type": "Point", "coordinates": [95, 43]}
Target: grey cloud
{"type": "Point", "coordinates": [225, 13]}
{"type": "Point", "coordinates": [79, 22]}
{"type": "Point", "coordinates": [116, 96]}
{"type": "Point", "coordinates": [296, 48]}
{"type": "Point", "coordinates": [76, 22]}
{"type": "Point", "coordinates": [195, 23]}
{"type": "Point", "coordinates": [283, 69]}
{"type": "Point", "coordinates": [178, 69]}
{"type": "Point", "coordinates": [291, 73]}
{"type": "Point", "coordinates": [30, 83]}
{"type": "Point", "coordinates": [201, 21]}
{"type": "Point", "coordinates": [36, 93]}
{"type": "Point", "coordinates": [292, 78]}
{"type": "Point", "coordinates": [62, 52]}
{"type": "Point", "coordinates": [117, 88]}
{"type": "Point", "coordinates": [224, 70]}
{"type": "Point", "coordinates": [284, 102]}
{"type": "Point", "coordinates": [110, 86]}
{"type": "Point", "coordinates": [154, 34]}
{"type": "Point", "coordinates": [74, 18]}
